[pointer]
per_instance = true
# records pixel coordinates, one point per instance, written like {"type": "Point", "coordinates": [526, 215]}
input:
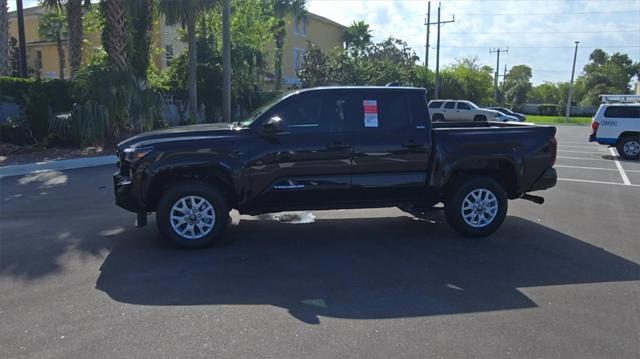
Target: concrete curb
{"type": "Point", "coordinates": [19, 170]}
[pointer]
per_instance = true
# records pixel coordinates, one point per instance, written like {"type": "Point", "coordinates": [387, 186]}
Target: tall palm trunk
{"type": "Point", "coordinates": [74, 22]}
{"type": "Point", "coordinates": [4, 38]}
{"type": "Point", "coordinates": [61, 59]}
{"type": "Point", "coordinates": [193, 85]}
{"type": "Point", "coordinates": [278, 59]}
{"type": "Point", "coordinates": [116, 39]}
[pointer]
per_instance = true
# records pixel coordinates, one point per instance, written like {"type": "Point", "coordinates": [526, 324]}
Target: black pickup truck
{"type": "Point", "coordinates": [332, 148]}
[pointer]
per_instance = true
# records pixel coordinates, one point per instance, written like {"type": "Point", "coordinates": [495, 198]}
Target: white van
{"type": "Point", "coordinates": [617, 123]}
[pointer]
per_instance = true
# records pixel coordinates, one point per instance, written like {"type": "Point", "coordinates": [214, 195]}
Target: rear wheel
{"type": "Point", "coordinates": [438, 117]}
{"type": "Point", "coordinates": [476, 206]}
{"type": "Point", "coordinates": [192, 215]}
{"type": "Point", "coordinates": [480, 118]}
{"type": "Point", "coordinates": [629, 147]}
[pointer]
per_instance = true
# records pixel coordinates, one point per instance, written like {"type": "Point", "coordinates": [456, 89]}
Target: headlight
{"type": "Point", "coordinates": [133, 154]}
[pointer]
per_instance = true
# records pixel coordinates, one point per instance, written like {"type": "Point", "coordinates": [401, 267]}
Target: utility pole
{"type": "Point", "coordinates": [427, 23]}
{"type": "Point", "coordinates": [21, 39]}
{"type": "Point", "coordinates": [453, 19]}
{"type": "Point", "coordinates": [573, 71]}
{"type": "Point", "coordinates": [495, 78]}
{"type": "Point", "coordinates": [226, 62]}
{"type": "Point", "coordinates": [504, 80]}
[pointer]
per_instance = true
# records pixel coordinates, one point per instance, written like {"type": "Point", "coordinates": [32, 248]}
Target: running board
{"type": "Point", "coordinates": [532, 198]}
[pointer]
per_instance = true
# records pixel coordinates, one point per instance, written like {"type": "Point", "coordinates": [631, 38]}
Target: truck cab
{"type": "Point", "coordinates": [617, 124]}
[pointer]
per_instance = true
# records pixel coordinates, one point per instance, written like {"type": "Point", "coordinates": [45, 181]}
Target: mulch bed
{"type": "Point", "coordinates": [13, 155]}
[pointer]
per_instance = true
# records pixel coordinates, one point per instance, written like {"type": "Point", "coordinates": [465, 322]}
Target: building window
{"type": "Point", "coordinates": [297, 58]}
{"type": "Point", "coordinates": [168, 54]}
{"type": "Point", "coordinates": [300, 25]}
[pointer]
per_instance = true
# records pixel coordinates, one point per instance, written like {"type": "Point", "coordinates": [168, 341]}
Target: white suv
{"type": "Point", "coordinates": [618, 124]}
{"type": "Point", "coordinates": [462, 110]}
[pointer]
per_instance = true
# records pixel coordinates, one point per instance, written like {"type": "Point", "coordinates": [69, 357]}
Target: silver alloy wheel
{"type": "Point", "coordinates": [192, 217]}
{"type": "Point", "coordinates": [479, 208]}
{"type": "Point", "coordinates": [631, 148]}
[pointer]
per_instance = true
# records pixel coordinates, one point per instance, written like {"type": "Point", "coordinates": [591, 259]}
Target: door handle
{"type": "Point", "coordinates": [338, 146]}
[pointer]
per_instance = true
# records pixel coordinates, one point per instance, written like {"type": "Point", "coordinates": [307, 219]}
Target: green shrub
{"type": "Point", "coordinates": [548, 109]}
{"type": "Point", "coordinates": [16, 131]}
{"type": "Point", "coordinates": [87, 124]}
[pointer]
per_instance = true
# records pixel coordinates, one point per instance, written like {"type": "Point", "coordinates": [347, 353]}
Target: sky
{"type": "Point", "coordinates": [537, 33]}
{"type": "Point", "coordinates": [540, 34]}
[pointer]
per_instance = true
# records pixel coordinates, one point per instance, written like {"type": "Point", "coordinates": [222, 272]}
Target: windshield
{"type": "Point", "coordinates": [261, 110]}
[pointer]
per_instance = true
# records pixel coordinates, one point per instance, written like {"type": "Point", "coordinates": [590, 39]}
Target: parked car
{"type": "Point", "coordinates": [618, 124]}
{"type": "Point", "coordinates": [332, 148]}
{"type": "Point", "coordinates": [462, 110]}
{"type": "Point", "coordinates": [520, 116]}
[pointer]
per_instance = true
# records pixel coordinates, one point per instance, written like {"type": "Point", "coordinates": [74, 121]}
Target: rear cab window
{"type": "Point", "coordinates": [622, 112]}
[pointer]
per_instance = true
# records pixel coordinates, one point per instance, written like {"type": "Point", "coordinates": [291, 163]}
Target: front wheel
{"type": "Point", "coordinates": [629, 148]}
{"type": "Point", "coordinates": [476, 206]}
{"type": "Point", "coordinates": [192, 215]}
{"type": "Point", "coordinates": [479, 118]}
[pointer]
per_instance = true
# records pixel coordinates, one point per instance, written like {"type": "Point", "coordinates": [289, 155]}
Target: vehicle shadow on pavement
{"type": "Point", "coordinates": [362, 268]}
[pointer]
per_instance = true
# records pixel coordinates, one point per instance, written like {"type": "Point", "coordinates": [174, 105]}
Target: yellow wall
{"type": "Point", "coordinates": [323, 32]}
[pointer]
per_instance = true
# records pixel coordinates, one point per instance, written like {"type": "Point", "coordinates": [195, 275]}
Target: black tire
{"type": "Point", "coordinates": [456, 195]}
{"type": "Point", "coordinates": [203, 190]}
{"type": "Point", "coordinates": [480, 118]}
{"type": "Point", "coordinates": [632, 150]}
{"type": "Point", "coordinates": [438, 118]}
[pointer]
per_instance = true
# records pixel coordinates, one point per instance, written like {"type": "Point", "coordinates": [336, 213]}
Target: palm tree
{"type": "Point", "coordinates": [115, 36]}
{"type": "Point", "coordinates": [139, 23]}
{"type": "Point", "coordinates": [52, 27]}
{"type": "Point", "coordinates": [280, 10]}
{"type": "Point", "coordinates": [186, 12]}
{"type": "Point", "coordinates": [74, 26]}
{"type": "Point", "coordinates": [4, 38]}
{"type": "Point", "coordinates": [357, 36]}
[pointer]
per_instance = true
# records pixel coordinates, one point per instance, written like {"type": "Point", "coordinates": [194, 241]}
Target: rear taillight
{"type": "Point", "coordinates": [594, 127]}
{"type": "Point", "coordinates": [554, 149]}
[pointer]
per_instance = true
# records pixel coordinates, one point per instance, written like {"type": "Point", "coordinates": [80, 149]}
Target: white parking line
{"type": "Point", "coordinates": [625, 179]}
{"type": "Point", "coordinates": [583, 158]}
{"type": "Point", "coordinates": [596, 168]}
{"type": "Point", "coordinates": [595, 153]}
{"type": "Point", "coordinates": [577, 143]}
{"type": "Point", "coordinates": [599, 182]}
{"type": "Point", "coordinates": [583, 147]}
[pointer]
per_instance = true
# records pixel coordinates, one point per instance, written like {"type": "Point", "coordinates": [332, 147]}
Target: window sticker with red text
{"type": "Point", "coordinates": [370, 113]}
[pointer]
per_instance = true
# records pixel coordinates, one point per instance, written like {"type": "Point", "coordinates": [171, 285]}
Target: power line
{"type": "Point", "coordinates": [542, 32]}
{"type": "Point", "coordinates": [551, 13]}
{"type": "Point", "coordinates": [547, 47]}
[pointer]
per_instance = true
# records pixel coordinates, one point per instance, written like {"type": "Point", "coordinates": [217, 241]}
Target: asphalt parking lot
{"type": "Point", "coordinates": [559, 280]}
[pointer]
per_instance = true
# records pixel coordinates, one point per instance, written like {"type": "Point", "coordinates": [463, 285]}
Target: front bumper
{"type": "Point", "coordinates": [122, 188]}
{"type": "Point", "coordinates": [548, 179]}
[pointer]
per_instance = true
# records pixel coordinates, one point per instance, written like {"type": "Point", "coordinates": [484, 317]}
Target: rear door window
{"type": "Point", "coordinates": [386, 110]}
{"type": "Point", "coordinates": [449, 104]}
{"type": "Point", "coordinates": [622, 112]}
{"type": "Point", "coordinates": [463, 106]}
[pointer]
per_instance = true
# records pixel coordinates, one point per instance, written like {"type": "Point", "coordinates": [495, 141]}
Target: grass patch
{"type": "Point", "coordinates": [558, 120]}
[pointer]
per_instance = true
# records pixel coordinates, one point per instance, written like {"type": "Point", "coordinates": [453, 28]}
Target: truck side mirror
{"type": "Point", "coordinates": [273, 125]}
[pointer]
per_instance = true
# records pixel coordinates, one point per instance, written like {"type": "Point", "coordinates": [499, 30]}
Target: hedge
{"type": "Point", "coordinates": [39, 100]}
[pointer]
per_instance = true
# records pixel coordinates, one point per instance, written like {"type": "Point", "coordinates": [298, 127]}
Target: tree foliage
{"type": "Point", "coordinates": [517, 85]}
{"type": "Point", "coordinates": [606, 74]}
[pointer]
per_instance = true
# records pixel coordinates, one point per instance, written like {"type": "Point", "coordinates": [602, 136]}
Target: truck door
{"type": "Point", "coordinates": [309, 164]}
{"type": "Point", "coordinates": [463, 111]}
{"type": "Point", "coordinates": [391, 145]}
{"type": "Point", "coordinates": [449, 111]}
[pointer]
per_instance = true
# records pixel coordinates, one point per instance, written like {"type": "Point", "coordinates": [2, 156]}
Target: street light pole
{"type": "Point", "coordinates": [573, 71]}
